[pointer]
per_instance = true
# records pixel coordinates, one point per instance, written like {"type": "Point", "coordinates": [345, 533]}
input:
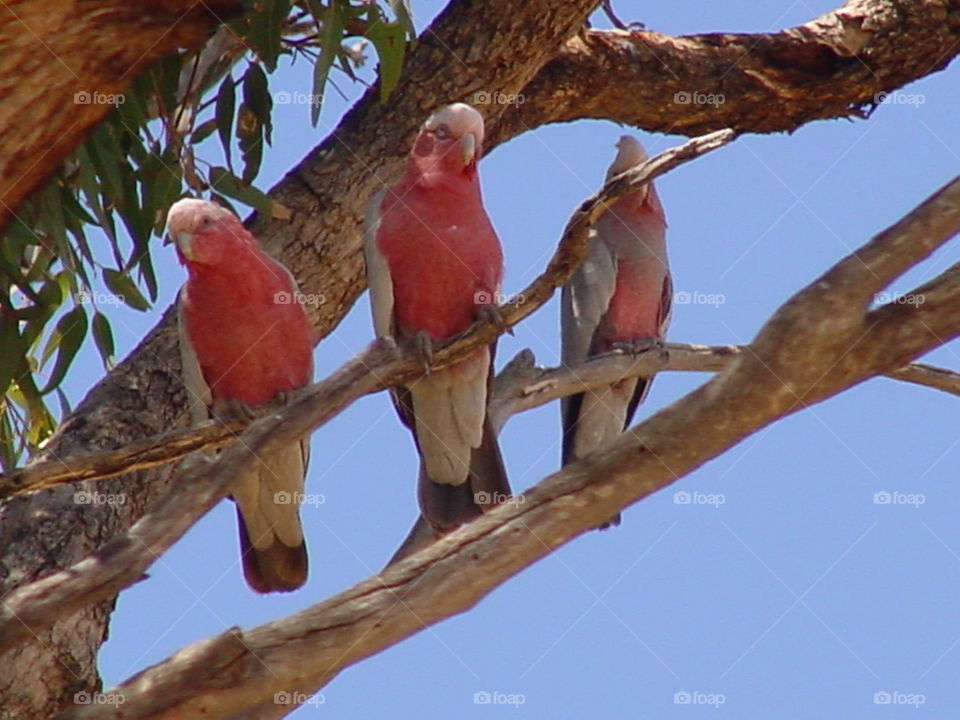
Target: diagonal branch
{"type": "Point", "coordinates": [241, 669]}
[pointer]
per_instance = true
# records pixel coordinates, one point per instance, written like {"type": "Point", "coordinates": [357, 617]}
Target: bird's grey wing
{"type": "Point", "coordinates": [584, 301]}
{"type": "Point", "coordinates": [199, 398]}
{"type": "Point", "coordinates": [378, 273]}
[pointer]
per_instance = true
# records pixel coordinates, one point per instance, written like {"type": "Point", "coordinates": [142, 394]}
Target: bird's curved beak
{"type": "Point", "coordinates": [184, 243]}
{"type": "Point", "coordinates": [468, 146]}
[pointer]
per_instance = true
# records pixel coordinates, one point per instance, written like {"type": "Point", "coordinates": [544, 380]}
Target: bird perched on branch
{"type": "Point", "coordinates": [619, 297]}
{"type": "Point", "coordinates": [245, 340]}
{"type": "Point", "coordinates": [434, 266]}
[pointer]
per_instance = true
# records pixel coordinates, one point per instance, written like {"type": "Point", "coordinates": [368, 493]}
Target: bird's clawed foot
{"type": "Point", "coordinates": [233, 408]}
{"type": "Point", "coordinates": [283, 397]}
{"type": "Point", "coordinates": [493, 314]}
{"type": "Point", "coordinates": [636, 346]}
{"type": "Point", "coordinates": [423, 349]}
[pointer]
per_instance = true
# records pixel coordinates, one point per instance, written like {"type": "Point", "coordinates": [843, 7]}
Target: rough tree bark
{"type": "Point", "coordinates": [50, 50]}
{"type": "Point", "coordinates": [473, 46]}
{"type": "Point", "coordinates": [838, 65]}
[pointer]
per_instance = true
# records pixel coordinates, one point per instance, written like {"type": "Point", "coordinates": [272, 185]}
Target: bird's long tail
{"type": "Point", "coordinates": [446, 507]}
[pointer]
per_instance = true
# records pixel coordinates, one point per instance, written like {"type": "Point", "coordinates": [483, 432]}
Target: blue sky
{"type": "Point", "coordinates": [783, 588]}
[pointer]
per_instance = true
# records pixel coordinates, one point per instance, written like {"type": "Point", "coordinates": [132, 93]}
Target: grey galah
{"type": "Point", "coordinates": [619, 297]}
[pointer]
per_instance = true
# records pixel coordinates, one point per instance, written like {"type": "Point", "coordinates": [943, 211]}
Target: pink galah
{"type": "Point", "coordinates": [245, 340]}
{"type": "Point", "coordinates": [619, 297]}
{"type": "Point", "coordinates": [434, 265]}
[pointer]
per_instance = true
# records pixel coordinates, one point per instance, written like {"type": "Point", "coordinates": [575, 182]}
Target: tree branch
{"type": "Point", "coordinates": [519, 387]}
{"type": "Point", "coordinates": [839, 65]}
{"type": "Point", "coordinates": [243, 669]}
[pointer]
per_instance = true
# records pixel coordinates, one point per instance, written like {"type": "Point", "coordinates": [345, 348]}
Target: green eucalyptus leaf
{"type": "Point", "coordinates": [67, 338]}
{"type": "Point", "coordinates": [124, 288]}
{"type": "Point", "coordinates": [330, 23]}
{"type": "Point", "coordinates": [389, 38]}
{"type": "Point", "coordinates": [227, 183]}
{"type": "Point", "coordinates": [103, 337]}
{"type": "Point", "coordinates": [256, 96]}
{"type": "Point", "coordinates": [225, 109]}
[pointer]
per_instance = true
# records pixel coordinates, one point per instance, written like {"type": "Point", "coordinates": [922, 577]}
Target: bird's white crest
{"type": "Point", "coordinates": [630, 153]}
{"type": "Point", "coordinates": [186, 215]}
{"type": "Point", "coordinates": [462, 120]}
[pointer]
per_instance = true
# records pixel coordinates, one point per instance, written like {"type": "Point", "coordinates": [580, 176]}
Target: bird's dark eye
{"type": "Point", "coordinates": [205, 222]}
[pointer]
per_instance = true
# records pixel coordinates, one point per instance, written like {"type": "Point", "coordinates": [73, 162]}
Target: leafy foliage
{"type": "Point", "coordinates": [151, 150]}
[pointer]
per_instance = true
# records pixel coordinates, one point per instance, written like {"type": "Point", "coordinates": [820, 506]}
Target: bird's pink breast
{"type": "Point", "coordinates": [635, 234]}
{"type": "Point", "coordinates": [252, 340]}
{"type": "Point", "coordinates": [444, 259]}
